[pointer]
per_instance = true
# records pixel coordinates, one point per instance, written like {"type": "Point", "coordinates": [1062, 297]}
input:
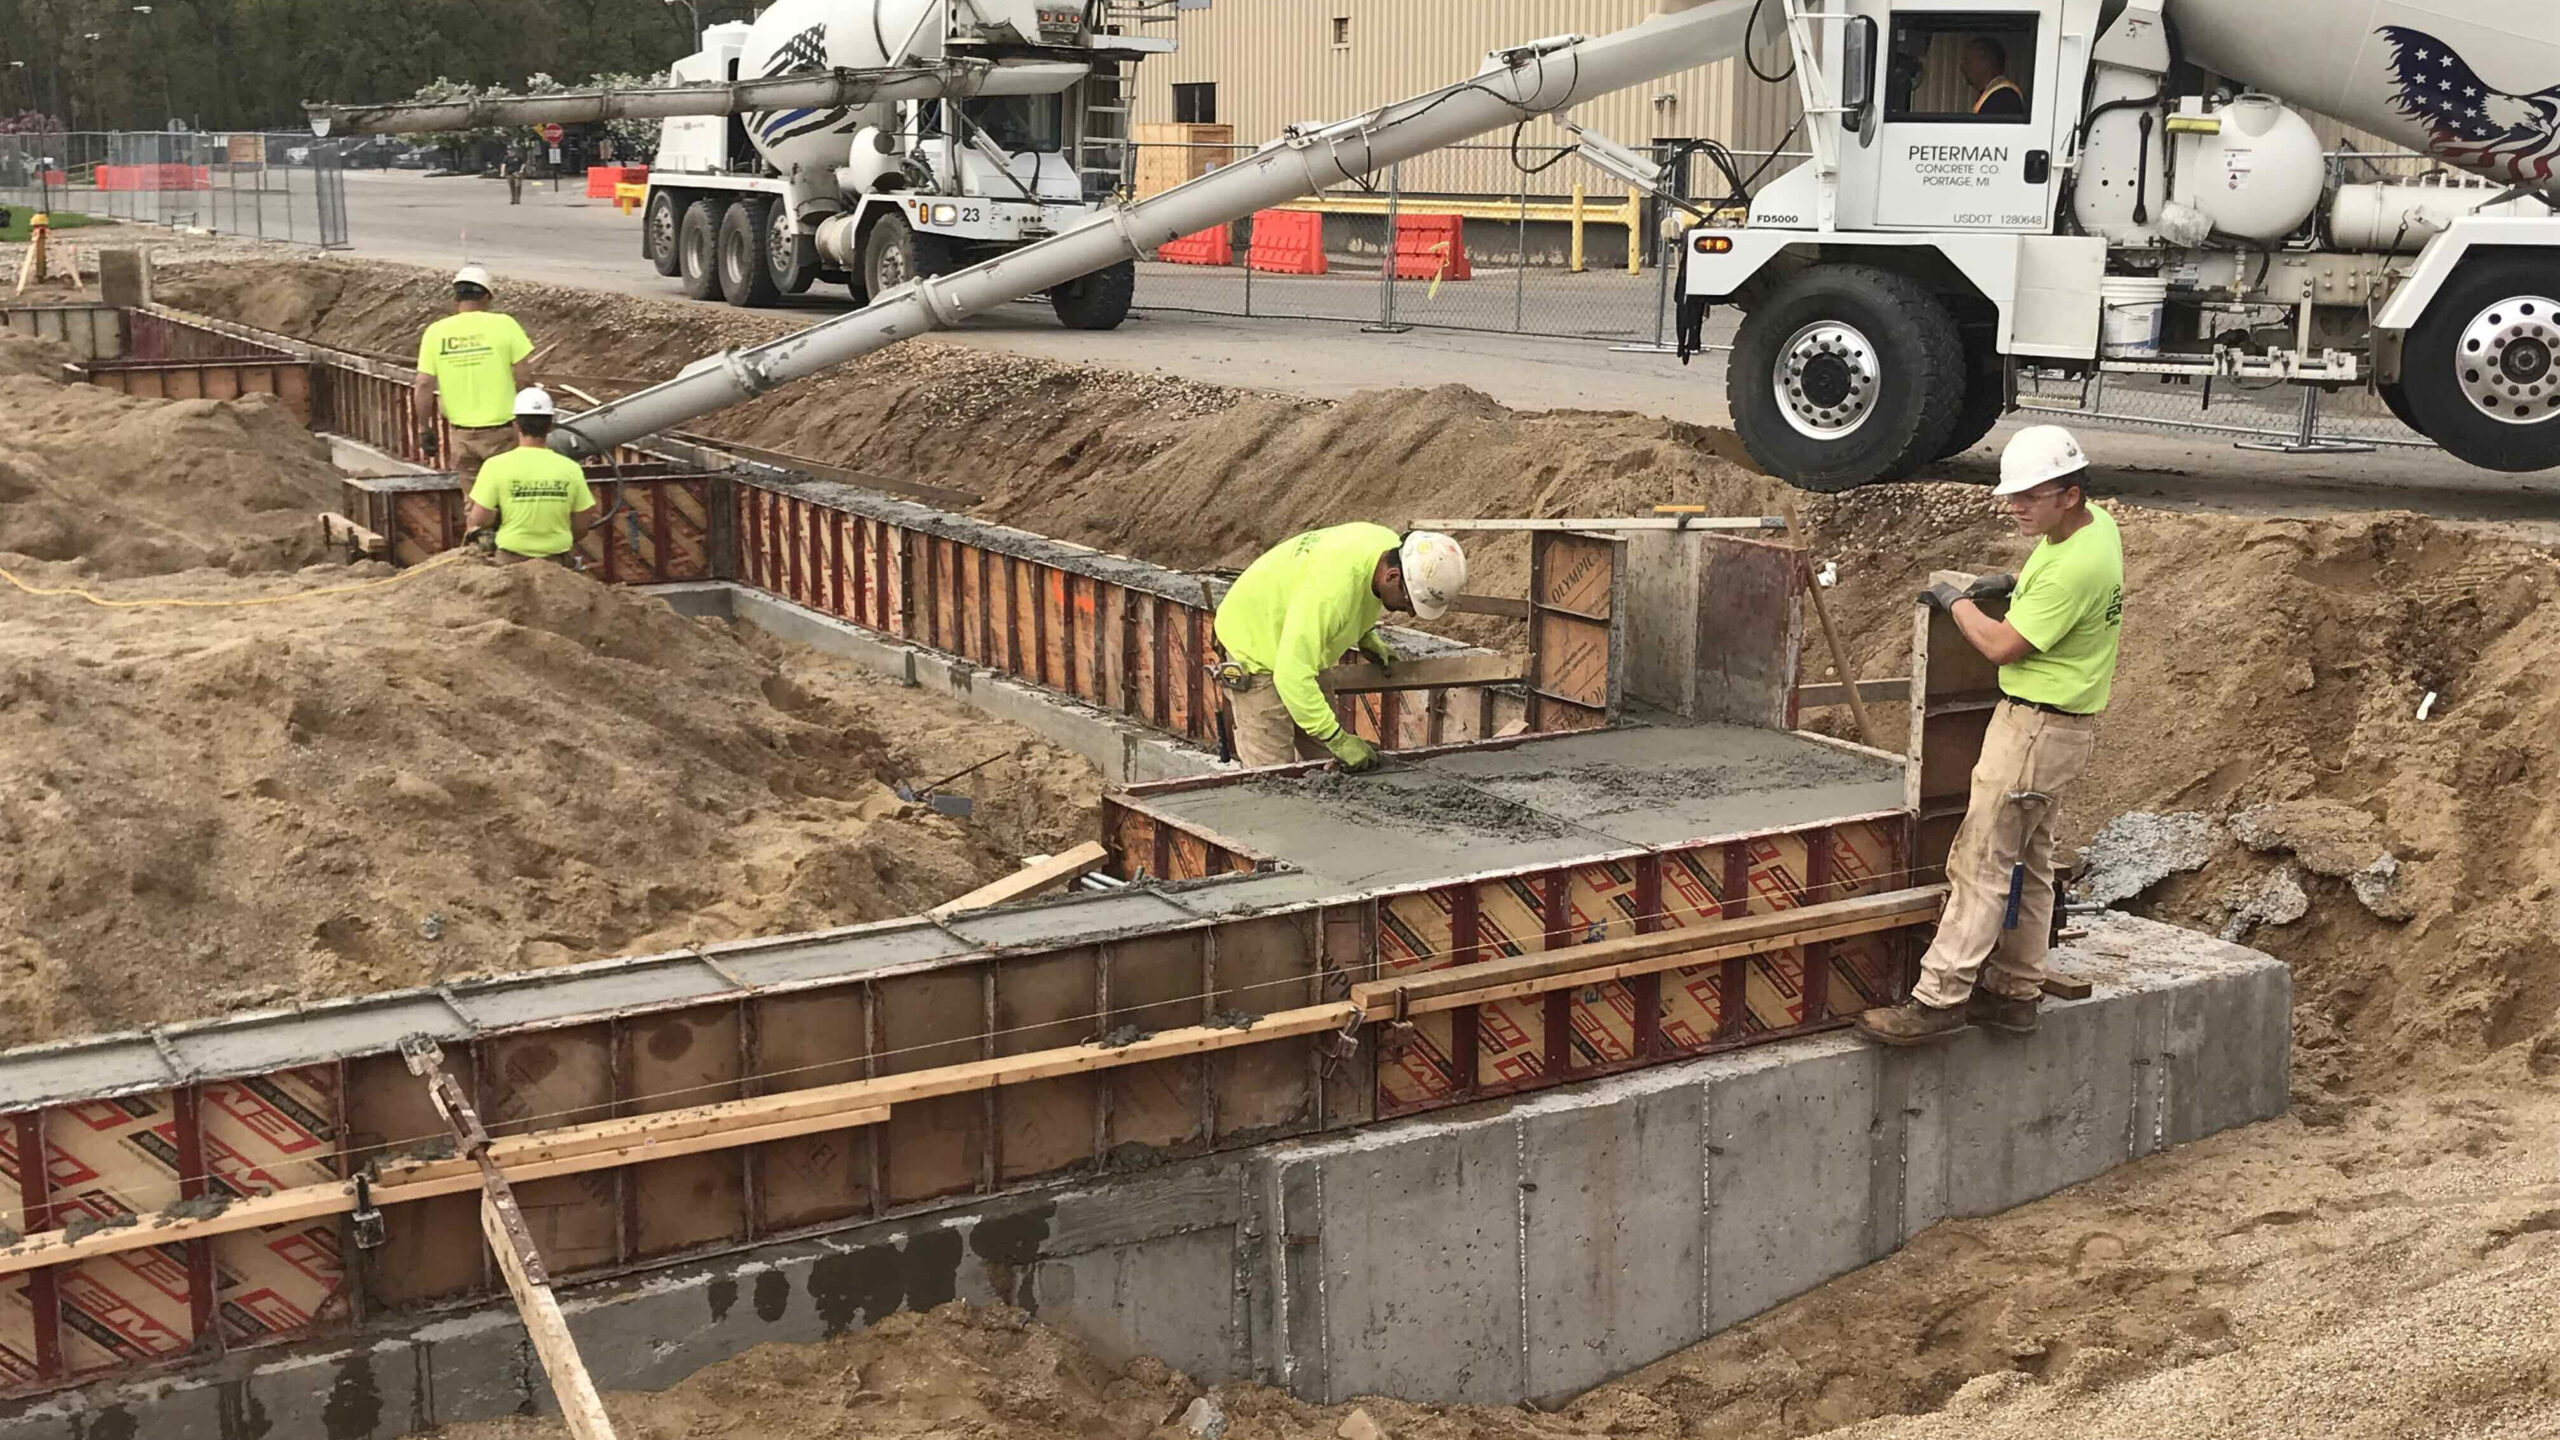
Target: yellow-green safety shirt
{"type": "Point", "coordinates": [534, 491]}
{"type": "Point", "coordinates": [1301, 607]}
{"type": "Point", "coordinates": [2069, 604]}
{"type": "Point", "coordinates": [473, 357]}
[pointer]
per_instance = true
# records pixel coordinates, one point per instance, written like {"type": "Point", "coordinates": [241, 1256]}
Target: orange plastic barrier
{"type": "Point", "coordinates": [602, 178]}
{"type": "Point", "coordinates": [1288, 242]}
{"type": "Point", "coordinates": [1213, 246]}
{"type": "Point", "coordinates": [155, 177]}
{"type": "Point", "coordinates": [1432, 247]}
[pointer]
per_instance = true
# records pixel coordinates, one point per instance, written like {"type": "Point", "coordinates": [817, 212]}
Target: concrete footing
{"type": "Point", "coordinates": [1510, 1251]}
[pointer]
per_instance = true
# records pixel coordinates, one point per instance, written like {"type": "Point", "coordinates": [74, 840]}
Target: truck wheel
{"type": "Point", "coordinates": [2479, 373]}
{"type": "Point", "coordinates": [1986, 396]}
{"type": "Point", "coordinates": [658, 232]}
{"type": "Point", "coordinates": [893, 254]}
{"type": "Point", "coordinates": [698, 247]}
{"type": "Point", "coordinates": [1099, 301]}
{"type": "Point", "coordinates": [744, 281]}
{"type": "Point", "coordinates": [2395, 399]}
{"type": "Point", "coordinates": [1847, 375]}
{"type": "Point", "coordinates": [791, 259]}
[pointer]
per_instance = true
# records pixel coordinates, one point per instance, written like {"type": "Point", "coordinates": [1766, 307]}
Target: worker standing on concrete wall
{"type": "Point", "coordinates": [536, 497]}
{"type": "Point", "coordinates": [2056, 649]}
{"type": "Point", "coordinates": [1308, 602]}
{"type": "Point", "coordinates": [470, 365]}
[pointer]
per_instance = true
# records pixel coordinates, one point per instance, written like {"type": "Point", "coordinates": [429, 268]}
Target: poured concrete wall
{"type": "Point", "coordinates": [1507, 1251]}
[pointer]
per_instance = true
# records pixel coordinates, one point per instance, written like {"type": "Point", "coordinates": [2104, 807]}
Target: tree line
{"type": "Point", "coordinates": [249, 64]}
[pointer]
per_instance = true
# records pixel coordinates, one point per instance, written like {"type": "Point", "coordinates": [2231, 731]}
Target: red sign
{"type": "Point", "coordinates": [550, 134]}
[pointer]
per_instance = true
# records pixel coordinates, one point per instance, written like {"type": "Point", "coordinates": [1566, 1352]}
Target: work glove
{"type": "Point", "coordinates": [1358, 756]}
{"type": "Point", "coordinates": [1943, 595]}
{"type": "Point", "coordinates": [1992, 587]}
{"type": "Point", "coordinates": [427, 442]}
{"type": "Point", "coordinates": [1374, 645]}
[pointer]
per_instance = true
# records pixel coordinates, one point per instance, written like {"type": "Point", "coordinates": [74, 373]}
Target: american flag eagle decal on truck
{"type": "Point", "coordinates": [805, 53]}
{"type": "Point", "coordinates": [2476, 125]}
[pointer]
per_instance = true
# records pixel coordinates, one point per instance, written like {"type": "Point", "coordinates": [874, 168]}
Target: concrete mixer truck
{"type": "Point", "coordinates": [2137, 183]}
{"type": "Point", "coordinates": [860, 142]}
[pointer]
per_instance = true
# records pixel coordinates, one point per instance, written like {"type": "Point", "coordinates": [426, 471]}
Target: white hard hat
{"type": "Point", "coordinates": [2039, 455]}
{"type": "Point", "coordinates": [534, 400]}
{"type": "Point", "coordinates": [1435, 571]}
{"type": "Point", "coordinates": [475, 275]}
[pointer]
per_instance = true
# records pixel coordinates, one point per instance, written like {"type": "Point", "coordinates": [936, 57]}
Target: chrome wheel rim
{"type": "Point", "coordinates": [2508, 360]}
{"type": "Point", "coordinates": [1827, 379]}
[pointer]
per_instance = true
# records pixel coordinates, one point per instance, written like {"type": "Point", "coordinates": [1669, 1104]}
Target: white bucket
{"type": "Point", "coordinates": [2136, 310]}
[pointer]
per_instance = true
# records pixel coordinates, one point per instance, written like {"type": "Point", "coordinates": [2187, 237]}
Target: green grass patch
{"type": "Point", "coordinates": [21, 216]}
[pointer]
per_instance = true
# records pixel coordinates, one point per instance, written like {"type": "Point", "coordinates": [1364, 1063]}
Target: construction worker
{"type": "Point", "coordinates": [469, 364]}
{"type": "Point", "coordinates": [1307, 603]}
{"type": "Point", "coordinates": [535, 497]}
{"type": "Point", "coordinates": [2056, 649]}
{"type": "Point", "coordinates": [1985, 64]}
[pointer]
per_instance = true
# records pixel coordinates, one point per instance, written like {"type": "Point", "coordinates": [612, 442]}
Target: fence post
{"type": "Point", "coordinates": [1387, 259]}
{"type": "Point", "coordinates": [1635, 222]}
{"type": "Point", "coordinates": [1579, 201]}
{"type": "Point", "coordinates": [1520, 264]}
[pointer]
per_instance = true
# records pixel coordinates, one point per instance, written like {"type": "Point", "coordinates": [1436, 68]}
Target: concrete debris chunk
{"type": "Point", "coordinates": [2332, 839]}
{"type": "Point", "coordinates": [2277, 899]}
{"type": "Point", "coordinates": [2141, 848]}
{"type": "Point", "coordinates": [1358, 1426]}
{"type": "Point", "coordinates": [1205, 1419]}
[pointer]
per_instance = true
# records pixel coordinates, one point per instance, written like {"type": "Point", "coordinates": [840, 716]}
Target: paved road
{"type": "Point", "coordinates": [561, 237]}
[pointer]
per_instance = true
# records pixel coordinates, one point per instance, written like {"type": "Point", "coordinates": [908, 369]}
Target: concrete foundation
{"type": "Point", "coordinates": [1508, 1251]}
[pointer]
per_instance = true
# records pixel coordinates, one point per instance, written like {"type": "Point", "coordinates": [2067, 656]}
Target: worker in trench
{"type": "Point", "coordinates": [1309, 602]}
{"type": "Point", "coordinates": [470, 365]}
{"type": "Point", "coordinates": [2056, 649]}
{"type": "Point", "coordinates": [534, 498]}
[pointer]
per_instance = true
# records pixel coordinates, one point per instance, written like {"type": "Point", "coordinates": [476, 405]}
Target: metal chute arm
{"type": "Point", "coordinates": [1534, 80]}
{"type": "Point", "coordinates": [657, 102]}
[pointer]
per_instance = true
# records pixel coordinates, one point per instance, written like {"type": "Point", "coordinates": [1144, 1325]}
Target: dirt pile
{"type": "Point", "coordinates": [124, 487]}
{"type": "Point", "coordinates": [480, 768]}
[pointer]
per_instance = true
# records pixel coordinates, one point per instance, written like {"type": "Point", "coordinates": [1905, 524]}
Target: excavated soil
{"type": "Point", "coordinates": [2378, 1264]}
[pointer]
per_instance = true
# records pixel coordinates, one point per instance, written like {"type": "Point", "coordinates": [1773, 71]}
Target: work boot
{"type": "Point", "coordinates": [1911, 1024]}
{"type": "Point", "coordinates": [1994, 1011]}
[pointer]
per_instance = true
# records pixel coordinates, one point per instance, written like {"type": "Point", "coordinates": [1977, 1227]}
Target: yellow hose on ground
{"type": "Point", "coordinates": [76, 593]}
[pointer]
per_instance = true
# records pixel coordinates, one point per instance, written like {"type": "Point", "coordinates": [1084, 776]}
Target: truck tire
{"type": "Point", "coordinates": [2481, 372]}
{"type": "Point", "coordinates": [698, 246]}
{"type": "Point", "coordinates": [1986, 396]}
{"type": "Point", "coordinates": [893, 254]}
{"type": "Point", "coordinates": [2396, 400]}
{"type": "Point", "coordinates": [1846, 375]}
{"type": "Point", "coordinates": [790, 257]}
{"type": "Point", "coordinates": [658, 231]}
{"type": "Point", "coordinates": [1099, 301]}
{"type": "Point", "coordinates": [744, 280]}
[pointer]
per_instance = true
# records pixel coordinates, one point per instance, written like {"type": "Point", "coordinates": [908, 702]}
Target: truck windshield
{"type": "Point", "coordinates": [1020, 123]}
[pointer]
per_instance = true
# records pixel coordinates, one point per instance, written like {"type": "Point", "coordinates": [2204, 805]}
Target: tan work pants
{"type": "Point", "coordinates": [473, 447]}
{"type": "Point", "coordinates": [1265, 733]}
{"type": "Point", "coordinates": [2029, 758]}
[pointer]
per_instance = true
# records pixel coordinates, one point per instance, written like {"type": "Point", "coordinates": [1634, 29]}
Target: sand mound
{"type": "Point", "coordinates": [124, 487]}
{"type": "Point", "coordinates": [481, 768]}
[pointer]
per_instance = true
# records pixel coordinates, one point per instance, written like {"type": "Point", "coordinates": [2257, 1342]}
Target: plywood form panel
{"type": "Point", "coordinates": [432, 1249]}
{"type": "Point", "coordinates": [935, 1147]}
{"type": "Point", "coordinates": [1418, 1065]}
{"type": "Point", "coordinates": [1045, 1002]}
{"type": "Point", "coordinates": [264, 1134]}
{"type": "Point", "coordinates": [22, 1360]}
{"type": "Point", "coordinates": [804, 1040]}
{"type": "Point", "coordinates": [1154, 984]}
{"type": "Point", "coordinates": [540, 1080]}
{"type": "Point", "coordinates": [672, 1060]}
{"type": "Point", "coordinates": [110, 1159]}
{"type": "Point", "coordinates": [1261, 966]}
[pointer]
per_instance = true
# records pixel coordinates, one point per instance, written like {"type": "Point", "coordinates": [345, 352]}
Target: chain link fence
{"type": "Point", "coordinates": [283, 187]}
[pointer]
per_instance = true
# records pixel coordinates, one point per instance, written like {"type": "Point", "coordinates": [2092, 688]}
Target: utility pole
{"type": "Point", "coordinates": [694, 9]}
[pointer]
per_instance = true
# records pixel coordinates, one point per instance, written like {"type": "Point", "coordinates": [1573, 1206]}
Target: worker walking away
{"type": "Point", "coordinates": [1985, 64]}
{"type": "Point", "coordinates": [2056, 650]}
{"type": "Point", "coordinates": [470, 365]}
{"type": "Point", "coordinates": [535, 497]}
{"type": "Point", "coordinates": [1303, 606]}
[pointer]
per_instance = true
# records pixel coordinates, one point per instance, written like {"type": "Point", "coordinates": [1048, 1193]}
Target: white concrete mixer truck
{"type": "Point", "coordinates": [862, 142]}
{"type": "Point", "coordinates": [1995, 182]}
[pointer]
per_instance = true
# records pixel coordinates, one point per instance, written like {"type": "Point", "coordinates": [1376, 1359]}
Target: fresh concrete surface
{"type": "Point", "coordinates": [1514, 1250]}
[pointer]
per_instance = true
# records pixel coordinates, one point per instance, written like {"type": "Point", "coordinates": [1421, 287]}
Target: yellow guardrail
{"type": "Point", "coordinates": [627, 198]}
{"type": "Point", "coordinates": [1580, 212]}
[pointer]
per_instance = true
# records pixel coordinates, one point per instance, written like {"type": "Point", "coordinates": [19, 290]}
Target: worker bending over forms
{"type": "Point", "coordinates": [1306, 604]}
{"type": "Point", "coordinates": [469, 364]}
{"type": "Point", "coordinates": [535, 496]}
{"type": "Point", "coordinates": [2056, 650]}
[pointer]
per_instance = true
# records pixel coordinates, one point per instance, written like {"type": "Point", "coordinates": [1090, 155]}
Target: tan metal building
{"type": "Point", "coordinates": [1259, 65]}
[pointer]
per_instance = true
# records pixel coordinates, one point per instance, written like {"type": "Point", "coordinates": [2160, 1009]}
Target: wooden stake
{"type": "Point", "coordinates": [1031, 880]}
{"type": "Point", "coordinates": [1830, 636]}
